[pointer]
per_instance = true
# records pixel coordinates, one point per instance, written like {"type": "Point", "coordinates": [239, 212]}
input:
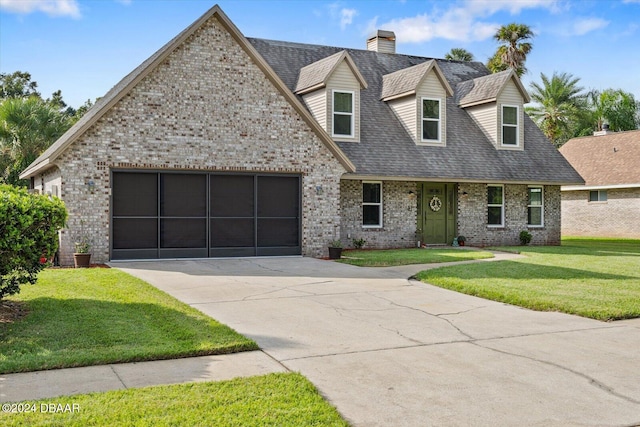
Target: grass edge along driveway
{"type": "Point", "coordinates": [285, 399]}
{"type": "Point", "coordinates": [595, 278]}
{"type": "Point", "coordinates": [82, 317]}
{"type": "Point", "coordinates": [394, 257]}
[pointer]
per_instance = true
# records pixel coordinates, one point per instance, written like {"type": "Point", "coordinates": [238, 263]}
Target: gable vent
{"type": "Point", "coordinates": [382, 41]}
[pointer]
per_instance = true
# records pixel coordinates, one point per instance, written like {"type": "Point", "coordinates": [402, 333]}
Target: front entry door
{"type": "Point", "coordinates": [437, 213]}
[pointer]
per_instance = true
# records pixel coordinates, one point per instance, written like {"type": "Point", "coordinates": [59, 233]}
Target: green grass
{"type": "Point", "coordinates": [393, 257]}
{"type": "Point", "coordinates": [596, 278]}
{"type": "Point", "coordinates": [97, 316]}
{"type": "Point", "coordinates": [274, 399]}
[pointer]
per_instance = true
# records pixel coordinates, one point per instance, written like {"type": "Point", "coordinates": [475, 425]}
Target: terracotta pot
{"type": "Point", "coordinates": [82, 260]}
{"type": "Point", "coordinates": [461, 243]}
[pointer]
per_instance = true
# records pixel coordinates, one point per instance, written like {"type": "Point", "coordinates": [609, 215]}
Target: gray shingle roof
{"type": "Point", "coordinates": [387, 150]}
{"type": "Point", "coordinates": [315, 74]}
{"type": "Point", "coordinates": [405, 80]}
{"type": "Point", "coordinates": [481, 89]}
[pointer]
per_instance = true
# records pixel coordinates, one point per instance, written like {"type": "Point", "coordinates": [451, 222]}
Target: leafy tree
{"type": "Point", "coordinates": [28, 126]}
{"type": "Point", "coordinates": [459, 54]}
{"type": "Point", "coordinates": [29, 225]}
{"type": "Point", "coordinates": [17, 85]}
{"type": "Point", "coordinates": [559, 106]}
{"type": "Point", "coordinates": [613, 106]}
{"type": "Point", "coordinates": [513, 49]}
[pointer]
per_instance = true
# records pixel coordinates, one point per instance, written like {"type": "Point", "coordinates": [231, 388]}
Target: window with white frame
{"type": "Point", "coordinates": [343, 107]}
{"type": "Point", "coordinates": [372, 204]}
{"type": "Point", "coordinates": [510, 114]}
{"type": "Point", "coordinates": [430, 120]}
{"type": "Point", "coordinates": [598, 195]}
{"type": "Point", "coordinates": [535, 208]}
{"type": "Point", "coordinates": [495, 205]}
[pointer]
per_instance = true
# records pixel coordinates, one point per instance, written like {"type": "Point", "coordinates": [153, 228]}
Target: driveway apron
{"type": "Point", "coordinates": [386, 350]}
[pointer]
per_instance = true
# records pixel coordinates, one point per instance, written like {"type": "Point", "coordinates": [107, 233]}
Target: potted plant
{"type": "Point", "coordinates": [461, 240]}
{"type": "Point", "coordinates": [81, 256]}
{"type": "Point", "coordinates": [335, 249]}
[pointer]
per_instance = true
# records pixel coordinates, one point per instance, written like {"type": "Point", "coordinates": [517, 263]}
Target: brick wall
{"type": "Point", "coordinates": [619, 216]}
{"type": "Point", "coordinates": [399, 215]}
{"type": "Point", "coordinates": [472, 216]}
{"type": "Point", "coordinates": [206, 107]}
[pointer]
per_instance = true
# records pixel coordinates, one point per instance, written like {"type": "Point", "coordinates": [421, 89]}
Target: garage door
{"type": "Point", "coordinates": [199, 215]}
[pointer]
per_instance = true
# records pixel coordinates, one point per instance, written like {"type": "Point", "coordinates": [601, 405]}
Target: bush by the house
{"type": "Point", "coordinates": [525, 237]}
{"type": "Point", "coordinates": [29, 225]}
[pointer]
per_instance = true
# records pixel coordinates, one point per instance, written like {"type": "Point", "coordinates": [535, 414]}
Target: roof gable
{"type": "Point", "coordinates": [314, 76]}
{"type": "Point", "coordinates": [487, 89]}
{"type": "Point", "coordinates": [406, 81]}
{"type": "Point", "coordinates": [612, 159]}
{"type": "Point", "coordinates": [122, 88]}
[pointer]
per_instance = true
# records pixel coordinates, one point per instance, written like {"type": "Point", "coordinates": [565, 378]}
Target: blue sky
{"type": "Point", "coordinates": [84, 47]}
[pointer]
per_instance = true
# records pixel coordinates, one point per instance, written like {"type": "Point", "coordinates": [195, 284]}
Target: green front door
{"type": "Point", "coordinates": [437, 213]}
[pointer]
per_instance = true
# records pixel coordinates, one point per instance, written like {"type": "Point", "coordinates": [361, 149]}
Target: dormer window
{"type": "Point", "coordinates": [430, 120]}
{"type": "Point", "coordinates": [343, 123]}
{"type": "Point", "coordinates": [510, 131]}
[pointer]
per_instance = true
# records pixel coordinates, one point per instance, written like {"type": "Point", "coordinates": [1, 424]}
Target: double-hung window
{"type": "Point", "coordinates": [510, 114]}
{"type": "Point", "coordinates": [430, 120]}
{"type": "Point", "coordinates": [343, 120]}
{"type": "Point", "coordinates": [535, 208]}
{"type": "Point", "coordinates": [372, 204]}
{"type": "Point", "coordinates": [598, 195]}
{"type": "Point", "coordinates": [495, 205]}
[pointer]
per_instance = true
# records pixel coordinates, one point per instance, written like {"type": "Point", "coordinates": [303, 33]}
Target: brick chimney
{"type": "Point", "coordinates": [382, 41]}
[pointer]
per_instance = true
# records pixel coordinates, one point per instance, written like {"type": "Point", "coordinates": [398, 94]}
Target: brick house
{"type": "Point", "coordinates": [608, 204]}
{"type": "Point", "coordinates": [222, 145]}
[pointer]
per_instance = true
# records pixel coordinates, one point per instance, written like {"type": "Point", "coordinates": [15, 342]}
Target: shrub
{"type": "Point", "coordinates": [525, 237]}
{"type": "Point", "coordinates": [29, 225]}
{"type": "Point", "coordinates": [358, 243]}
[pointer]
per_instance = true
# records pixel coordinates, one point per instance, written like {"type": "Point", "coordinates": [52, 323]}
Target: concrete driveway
{"type": "Point", "coordinates": [387, 351]}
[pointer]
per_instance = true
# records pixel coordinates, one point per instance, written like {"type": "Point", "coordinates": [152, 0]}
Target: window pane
{"type": "Point", "coordinates": [535, 216]}
{"type": "Point", "coordinates": [430, 129]}
{"type": "Point", "coordinates": [602, 195]}
{"type": "Point", "coordinates": [341, 124]}
{"type": "Point", "coordinates": [510, 115]}
{"type": "Point", "coordinates": [495, 216]}
{"type": "Point", "coordinates": [371, 192]}
{"type": "Point", "coordinates": [371, 215]}
{"type": "Point", "coordinates": [593, 196]}
{"type": "Point", "coordinates": [535, 196]}
{"type": "Point", "coordinates": [509, 135]}
{"type": "Point", "coordinates": [342, 102]}
{"type": "Point", "coordinates": [494, 195]}
{"type": "Point", "coordinates": [430, 109]}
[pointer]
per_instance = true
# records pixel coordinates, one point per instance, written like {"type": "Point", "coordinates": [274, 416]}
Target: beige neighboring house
{"type": "Point", "coordinates": [608, 204]}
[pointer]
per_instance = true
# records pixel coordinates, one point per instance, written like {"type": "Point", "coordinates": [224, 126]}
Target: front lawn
{"type": "Point", "coordinates": [80, 317]}
{"type": "Point", "coordinates": [269, 400]}
{"type": "Point", "coordinates": [393, 257]}
{"type": "Point", "coordinates": [596, 278]}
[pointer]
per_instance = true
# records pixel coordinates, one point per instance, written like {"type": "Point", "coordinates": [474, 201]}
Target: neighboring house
{"type": "Point", "coordinates": [221, 145]}
{"type": "Point", "coordinates": [608, 204]}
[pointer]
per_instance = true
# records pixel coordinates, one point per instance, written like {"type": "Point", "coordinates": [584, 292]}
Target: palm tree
{"type": "Point", "coordinates": [513, 51]}
{"type": "Point", "coordinates": [558, 106]}
{"type": "Point", "coordinates": [459, 54]}
{"type": "Point", "coordinates": [28, 126]}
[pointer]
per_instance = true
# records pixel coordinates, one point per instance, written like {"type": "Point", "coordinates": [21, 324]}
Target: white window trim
{"type": "Point", "coordinates": [541, 206]}
{"type": "Point", "coordinates": [373, 204]}
{"type": "Point", "coordinates": [352, 114]}
{"type": "Point", "coordinates": [501, 225]}
{"type": "Point", "coordinates": [517, 126]}
{"type": "Point", "coordinates": [598, 201]}
{"type": "Point", "coordinates": [439, 120]}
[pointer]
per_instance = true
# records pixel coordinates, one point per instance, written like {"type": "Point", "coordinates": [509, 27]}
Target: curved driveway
{"type": "Point", "coordinates": [388, 351]}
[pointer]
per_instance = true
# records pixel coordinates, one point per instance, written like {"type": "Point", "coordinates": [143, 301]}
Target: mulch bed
{"type": "Point", "coordinates": [12, 311]}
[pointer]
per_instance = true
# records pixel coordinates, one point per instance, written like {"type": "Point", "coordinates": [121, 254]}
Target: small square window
{"type": "Point", "coordinates": [598, 195]}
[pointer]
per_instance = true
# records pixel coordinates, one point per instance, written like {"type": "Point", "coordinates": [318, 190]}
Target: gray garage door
{"type": "Point", "coordinates": [199, 215]}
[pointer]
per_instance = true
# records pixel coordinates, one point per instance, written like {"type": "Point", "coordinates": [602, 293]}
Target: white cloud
{"type": "Point", "coordinates": [586, 25]}
{"type": "Point", "coordinates": [346, 17]}
{"type": "Point", "coordinates": [462, 22]}
{"type": "Point", "coordinates": [50, 7]}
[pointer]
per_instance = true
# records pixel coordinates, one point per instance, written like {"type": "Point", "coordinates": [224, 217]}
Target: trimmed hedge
{"type": "Point", "coordinates": [29, 225]}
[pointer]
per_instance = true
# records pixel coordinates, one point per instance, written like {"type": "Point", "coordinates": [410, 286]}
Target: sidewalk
{"type": "Point", "coordinates": [89, 379]}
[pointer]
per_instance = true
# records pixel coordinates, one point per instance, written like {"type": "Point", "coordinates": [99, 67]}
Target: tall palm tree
{"type": "Point", "coordinates": [459, 54]}
{"type": "Point", "coordinates": [513, 51]}
{"type": "Point", "coordinates": [558, 106]}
